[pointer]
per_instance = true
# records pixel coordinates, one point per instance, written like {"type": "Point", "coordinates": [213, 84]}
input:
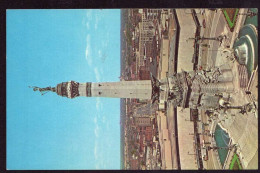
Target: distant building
{"type": "Point", "coordinates": [153, 13]}
{"type": "Point", "coordinates": [145, 110]}
{"type": "Point", "coordinates": [149, 134]}
{"type": "Point", "coordinates": [149, 49]}
{"type": "Point", "coordinates": [142, 121]}
{"type": "Point", "coordinates": [134, 164]}
{"type": "Point", "coordinates": [146, 33]}
{"type": "Point", "coordinates": [144, 74]}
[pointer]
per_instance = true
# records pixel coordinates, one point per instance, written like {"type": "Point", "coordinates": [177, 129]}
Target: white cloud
{"type": "Point", "coordinates": [99, 53]}
{"type": "Point", "coordinates": [100, 162]}
{"type": "Point", "coordinates": [101, 71]}
{"type": "Point", "coordinates": [89, 14]}
{"type": "Point", "coordinates": [107, 125]}
{"type": "Point", "coordinates": [95, 120]}
{"type": "Point", "coordinates": [102, 55]}
{"type": "Point", "coordinates": [88, 40]}
{"type": "Point", "coordinates": [99, 104]}
{"type": "Point", "coordinates": [96, 130]}
{"type": "Point", "coordinates": [95, 152]}
{"type": "Point", "coordinates": [88, 51]}
{"type": "Point", "coordinates": [104, 119]}
{"type": "Point", "coordinates": [87, 25]}
{"type": "Point", "coordinates": [105, 43]}
{"type": "Point", "coordinates": [97, 166]}
{"type": "Point", "coordinates": [97, 74]}
{"type": "Point", "coordinates": [97, 17]}
{"type": "Point", "coordinates": [96, 25]}
{"type": "Point", "coordinates": [83, 21]}
{"type": "Point", "coordinates": [108, 34]}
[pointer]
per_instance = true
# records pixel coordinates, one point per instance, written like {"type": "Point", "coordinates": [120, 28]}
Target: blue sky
{"type": "Point", "coordinates": [47, 47]}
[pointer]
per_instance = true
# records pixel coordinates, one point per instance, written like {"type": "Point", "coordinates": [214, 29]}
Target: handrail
{"type": "Point", "coordinates": [229, 151]}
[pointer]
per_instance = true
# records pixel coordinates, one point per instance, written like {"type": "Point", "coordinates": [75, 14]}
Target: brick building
{"type": "Point", "coordinates": [142, 121]}
{"type": "Point", "coordinates": [144, 74]}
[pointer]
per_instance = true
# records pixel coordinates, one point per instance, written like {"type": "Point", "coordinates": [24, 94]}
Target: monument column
{"type": "Point", "coordinates": [141, 89]}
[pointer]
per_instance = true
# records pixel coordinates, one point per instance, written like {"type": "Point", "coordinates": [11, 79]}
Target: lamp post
{"type": "Point", "coordinates": [229, 147]}
{"type": "Point", "coordinates": [218, 38]}
{"type": "Point", "coordinates": [243, 109]}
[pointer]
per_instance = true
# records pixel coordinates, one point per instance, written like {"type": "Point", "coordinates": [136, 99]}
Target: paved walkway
{"type": "Point", "coordinates": [186, 141]}
{"type": "Point", "coordinates": [186, 49]}
{"type": "Point", "coordinates": [212, 162]}
{"type": "Point", "coordinates": [243, 129]}
{"type": "Point", "coordinates": [168, 66]}
{"type": "Point", "coordinates": [172, 137]}
{"type": "Point", "coordinates": [185, 54]}
{"type": "Point", "coordinates": [217, 29]}
{"type": "Point", "coordinates": [229, 159]}
{"type": "Point", "coordinates": [208, 16]}
{"type": "Point", "coordinates": [253, 86]}
{"type": "Point", "coordinates": [172, 48]}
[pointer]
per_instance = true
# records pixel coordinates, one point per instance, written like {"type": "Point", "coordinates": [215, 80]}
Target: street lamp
{"type": "Point", "coordinates": [229, 147]}
{"type": "Point", "coordinates": [243, 109]}
{"type": "Point", "coordinates": [218, 38]}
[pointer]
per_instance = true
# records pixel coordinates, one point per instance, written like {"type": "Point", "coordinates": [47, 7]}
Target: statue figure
{"type": "Point", "coordinates": [43, 90]}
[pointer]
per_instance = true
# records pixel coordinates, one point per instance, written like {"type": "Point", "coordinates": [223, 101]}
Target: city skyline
{"type": "Point", "coordinates": [46, 47]}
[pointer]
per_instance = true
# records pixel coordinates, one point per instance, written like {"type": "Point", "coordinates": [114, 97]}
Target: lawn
{"type": "Point", "coordinates": [231, 16]}
{"type": "Point", "coordinates": [235, 163]}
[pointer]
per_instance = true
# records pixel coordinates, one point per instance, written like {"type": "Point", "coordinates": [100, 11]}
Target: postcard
{"type": "Point", "coordinates": [132, 89]}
